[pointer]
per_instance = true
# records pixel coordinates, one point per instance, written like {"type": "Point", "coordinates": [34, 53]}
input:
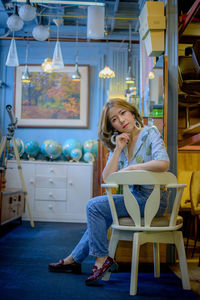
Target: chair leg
{"type": "Point", "coordinates": [188, 233]}
{"type": "Point", "coordinates": [197, 231]}
{"type": "Point", "coordinates": [199, 261]}
{"type": "Point", "coordinates": [114, 239]}
{"type": "Point", "coordinates": [156, 259]}
{"type": "Point", "coordinates": [178, 239]}
{"type": "Point", "coordinates": [135, 262]}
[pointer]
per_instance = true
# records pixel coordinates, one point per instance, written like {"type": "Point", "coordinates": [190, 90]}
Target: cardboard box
{"type": "Point", "coordinates": [152, 23]}
{"type": "Point", "coordinates": [154, 42]}
{"type": "Point", "coordinates": [152, 8]}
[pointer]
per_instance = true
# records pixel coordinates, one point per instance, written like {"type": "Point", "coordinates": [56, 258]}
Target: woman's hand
{"type": "Point", "coordinates": [121, 140]}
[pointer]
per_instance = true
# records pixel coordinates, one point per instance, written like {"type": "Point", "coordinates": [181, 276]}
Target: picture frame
{"type": "Point", "coordinates": [52, 100]}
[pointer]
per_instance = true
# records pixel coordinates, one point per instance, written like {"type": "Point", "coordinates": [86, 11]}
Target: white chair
{"type": "Point", "coordinates": [149, 229]}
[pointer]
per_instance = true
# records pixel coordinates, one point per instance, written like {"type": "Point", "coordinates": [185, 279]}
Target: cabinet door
{"type": "Point", "coordinates": [79, 191]}
{"type": "Point", "coordinates": [13, 181]}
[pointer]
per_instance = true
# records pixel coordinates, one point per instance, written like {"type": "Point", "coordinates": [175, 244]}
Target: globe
{"type": "Point", "coordinates": [91, 146]}
{"type": "Point", "coordinates": [76, 154]}
{"type": "Point", "coordinates": [69, 145]}
{"type": "Point", "coordinates": [44, 147]}
{"type": "Point", "coordinates": [20, 147]}
{"type": "Point", "coordinates": [51, 148]}
{"type": "Point", "coordinates": [88, 157]}
{"type": "Point", "coordinates": [32, 148]}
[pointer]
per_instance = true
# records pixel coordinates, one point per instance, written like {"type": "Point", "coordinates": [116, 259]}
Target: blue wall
{"type": "Point", "coordinates": [93, 54]}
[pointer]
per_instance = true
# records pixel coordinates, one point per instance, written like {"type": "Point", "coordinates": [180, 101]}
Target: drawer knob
{"type": "Point", "coordinates": [52, 170]}
{"type": "Point", "coordinates": [70, 183]}
{"type": "Point", "coordinates": [32, 181]}
{"type": "Point", "coordinates": [50, 206]}
{"type": "Point", "coordinates": [51, 194]}
{"type": "Point", "coordinates": [51, 180]}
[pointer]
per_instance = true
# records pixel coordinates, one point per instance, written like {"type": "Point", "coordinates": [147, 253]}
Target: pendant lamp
{"type": "Point", "coordinates": [47, 63]}
{"type": "Point", "coordinates": [14, 22]}
{"type": "Point", "coordinates": [129, 77]}
{"type": "Point", "coordinates": [95, 22]}
{"type": "Point", "coordinates": [25, 76]}
{"type": "Point", "coordinates": [27, 12]}
{"type": "Point", "coordinates": [12, 58]}
{"type": "Point", "coordinates": [106, 72]}
{"type": "Point", "coordinates": [57, 62]}
{"type": "Point", "coordinates": [76, 76]}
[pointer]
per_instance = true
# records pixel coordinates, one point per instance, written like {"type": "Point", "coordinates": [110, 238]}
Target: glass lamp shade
{"type": "Point", "coordinates": [14, 23]}
{"type": "Point", "coordinates": [151, 75]}
{"type": "Point", "coordinates": [130, 78]}
{"type": "Point", "coordinates": [76, 76]}
{"type": "Point", "coordinates": [106, 73]}
{"type": "Point", "coordinates": [25, 76]}
{"type": "Point", "coordinates": [27, 12]}
{"type": "Point", "coordinates": [57, 61]}
{"type": "Point", "coordinates": [95, 22]}
{"type": "Point", "coordinates": [47, 65]}
{"type": "Point", "coordinates": [12, 58]}
{"type": "Point", "coordinates": [40, 33]}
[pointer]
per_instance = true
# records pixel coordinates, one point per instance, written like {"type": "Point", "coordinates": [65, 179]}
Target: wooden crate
{"type": "Point", "coordinates": [12, 205]}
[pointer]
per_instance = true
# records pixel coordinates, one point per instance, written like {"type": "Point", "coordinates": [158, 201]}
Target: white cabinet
{"type": "Point", "coordinates": [57, 191]}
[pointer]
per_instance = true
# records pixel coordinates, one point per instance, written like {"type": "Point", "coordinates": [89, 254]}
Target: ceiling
{"type": "Point", "coordinates": [119, 14]}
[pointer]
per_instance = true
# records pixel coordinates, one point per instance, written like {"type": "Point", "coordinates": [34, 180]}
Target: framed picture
{"type": "Point", "coordinates": [52, 99]}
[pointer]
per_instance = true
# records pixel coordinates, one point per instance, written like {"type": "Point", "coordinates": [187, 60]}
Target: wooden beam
{"type": "Point", "coordinates": [193, 10]}
{"type": "Point", "coordinates": [195, 139]}
{"type": "Point", "coordinates": [192, 129]}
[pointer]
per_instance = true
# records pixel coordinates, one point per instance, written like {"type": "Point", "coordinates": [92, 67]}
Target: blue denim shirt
{"type": "Point", "coordinates": [149, 146]}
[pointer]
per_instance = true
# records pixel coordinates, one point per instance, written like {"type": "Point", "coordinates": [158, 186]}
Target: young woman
{"type": "Point", "coordinates": [132, 146]}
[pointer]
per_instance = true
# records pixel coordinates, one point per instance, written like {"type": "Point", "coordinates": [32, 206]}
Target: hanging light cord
{"type": "Point", "coordinates": [129, 48]}
{"type": "Point", "coordinates": [76, 41]}
{"type": "Point", "coordinates": [27, 47]}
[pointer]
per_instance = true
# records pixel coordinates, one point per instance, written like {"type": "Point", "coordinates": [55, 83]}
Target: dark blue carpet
{"type": "Point", "coordinates": [25, 253]}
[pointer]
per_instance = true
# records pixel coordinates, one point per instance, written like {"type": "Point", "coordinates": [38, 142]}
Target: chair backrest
{"type": "Point", "coordinates": [185, 177]}
{"type": "Point", "coordinates": [196, 55]}
{"type": "Point", "coordinates": [195, 193]}
{"type": "Point", "coordinates": [156, 179]}
{"type": "Point", "coordinates": [187, 68]}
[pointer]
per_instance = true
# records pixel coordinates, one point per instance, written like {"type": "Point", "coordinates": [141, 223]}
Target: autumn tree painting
{"type": "Point", "coordinates": [50, 96]}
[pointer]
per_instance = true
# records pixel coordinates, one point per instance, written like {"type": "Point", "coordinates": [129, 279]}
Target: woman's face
{"type": "Point", "coordinates": [121, 119]}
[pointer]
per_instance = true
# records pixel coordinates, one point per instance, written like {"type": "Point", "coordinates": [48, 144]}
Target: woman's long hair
{"type": "Point", "coordinates": [105, 129]}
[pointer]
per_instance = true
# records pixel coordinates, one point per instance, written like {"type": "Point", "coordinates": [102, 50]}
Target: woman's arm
{"type": "Point", "coordinates": [153, 165]}
{"type": "Point", "coordinates": [112, 166]}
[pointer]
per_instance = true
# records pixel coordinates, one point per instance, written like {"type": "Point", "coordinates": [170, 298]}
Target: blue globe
{"type": "Point", "coordinates": [69, 145]}
{"type": "Point", "coordinates": [31, 148]}
{"type": "Point", "coordinates": [20, 147]}
{"type": "Point", "coordinates": [44, 147]}
{"type": "Point", "coordinates": [51, 148]}
{"type": "Point", "coordinates": [88, 157]}
{"type": "Point", "coordinates": [76, 154]}
{"type": "Point", "coordinates": [91, 146]}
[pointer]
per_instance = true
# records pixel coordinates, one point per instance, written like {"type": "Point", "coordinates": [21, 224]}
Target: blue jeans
{"type": "Point", "coordinates": [94, 241]}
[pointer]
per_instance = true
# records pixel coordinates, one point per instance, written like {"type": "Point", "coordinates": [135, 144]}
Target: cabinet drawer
{"type": "Point", "coordinates": [50, 170]}
{"type": "Point", "coordinates": [48, 210]}
{"type": "Point", "coordinates": [50, 194]}
{"type": "Point", "coordinates": [50, 182]}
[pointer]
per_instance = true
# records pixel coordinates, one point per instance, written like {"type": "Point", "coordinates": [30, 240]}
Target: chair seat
{"type": "Point", "coordinates": [157, 222]}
